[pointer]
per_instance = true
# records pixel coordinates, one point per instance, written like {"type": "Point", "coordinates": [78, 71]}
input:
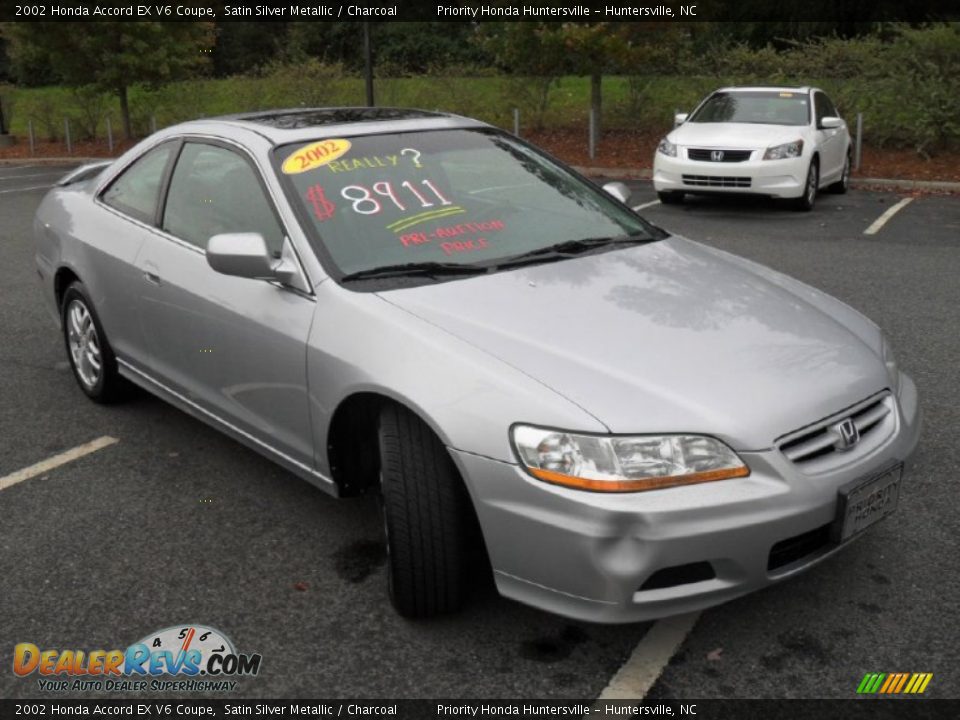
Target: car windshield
{"type": "Point", "coordinates": [767, 107]}
{"type": "Point", "coordinates": [444, 200]}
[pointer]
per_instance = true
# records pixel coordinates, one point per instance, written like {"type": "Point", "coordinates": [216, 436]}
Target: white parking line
{"type": "Point", "coordinates": [648, 659]}
{"type": "Point", "coordinates": [646, 205]}
{"type": "Point", "coordinates": [56, 461]}
{"type": "Point", "coordinates": [32, 187]}
{"type": "Point", "coordinates": [882, 220]}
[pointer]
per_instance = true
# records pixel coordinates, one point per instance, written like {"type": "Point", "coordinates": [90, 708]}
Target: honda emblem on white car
{"type": "Point", "coordinates": [849, 434]}
{"type": "Point", "coordinates": [717, 155]}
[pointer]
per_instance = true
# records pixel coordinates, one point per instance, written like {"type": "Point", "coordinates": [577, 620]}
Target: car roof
{"type": "Point", "coordinates": [769, 88]}
{"type": "Point", "coordinates": [299, 124]}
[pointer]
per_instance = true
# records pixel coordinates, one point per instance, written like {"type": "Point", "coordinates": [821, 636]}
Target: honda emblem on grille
{"type": "Point", "coordinates": [716, 155]}
{"type": "Point", "coordinates": [849, 434]}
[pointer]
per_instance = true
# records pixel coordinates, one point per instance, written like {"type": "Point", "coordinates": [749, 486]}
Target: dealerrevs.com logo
{"type": "Point", "coordinates": [201, 658]}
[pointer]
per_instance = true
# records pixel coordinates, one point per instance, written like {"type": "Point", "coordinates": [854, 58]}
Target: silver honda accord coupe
{"type": "Point", "coordinates": [627, 424]}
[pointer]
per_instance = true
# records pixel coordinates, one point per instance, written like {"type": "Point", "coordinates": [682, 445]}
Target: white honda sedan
{"type": "Point", "coordinates": [782, 142]}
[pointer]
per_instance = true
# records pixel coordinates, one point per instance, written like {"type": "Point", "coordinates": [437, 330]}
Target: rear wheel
{"type": "Point", "coordinates": [91, 357]}
{"type": "Point", "coordinates": [805, 202]}
{"type": "Point", "coordinates": [427, 517]}
{"type": "Point", "coordinates": [670, 198]}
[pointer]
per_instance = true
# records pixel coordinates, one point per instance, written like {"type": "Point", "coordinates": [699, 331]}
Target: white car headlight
{"type": "Point", "coordinates": [893, 372]}
{"type": "Point", "coordinates": [782, 152]}
{"type": "Point", "coordinates": [604, 463]}
{"type": "Point", "coordinates": [667, 148]}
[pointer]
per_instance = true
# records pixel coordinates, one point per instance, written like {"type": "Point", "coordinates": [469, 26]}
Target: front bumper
{"type": "Point", "coordinates": [587, 555]}
{"type": "Point", "coordinates": [774, 178]}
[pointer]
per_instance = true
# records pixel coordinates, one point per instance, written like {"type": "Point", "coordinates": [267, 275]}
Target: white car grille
{"type": "Point", "coordinates": [717, 181]}
{"type": "Point", "coordinates": [716, 155]}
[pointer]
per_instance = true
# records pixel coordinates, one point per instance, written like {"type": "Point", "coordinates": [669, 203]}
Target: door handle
{"type": "Point", "coordinates": [151, 277]}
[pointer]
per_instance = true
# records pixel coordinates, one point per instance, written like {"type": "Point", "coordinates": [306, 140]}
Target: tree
{"type": "Point", "coordinates": [547, 50]}
{"type": "Point", "coordinates": [531, 50]}
{"type": "Point", "coordinates": [594, 49]}
{"type": "Point", "coordinates": [110, 55]}
{"type": "Point", "coordinates": [244, 47]}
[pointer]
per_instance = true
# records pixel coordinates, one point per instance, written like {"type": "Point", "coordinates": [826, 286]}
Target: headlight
{"type": "Point", "coordinates": [782, 152]}
{"type": "Point", "coordinates": [667, 148]}
{"type": "Point", "coordinates": [893, 372]}
{"type": "Point", "coordinates": [624, 463]}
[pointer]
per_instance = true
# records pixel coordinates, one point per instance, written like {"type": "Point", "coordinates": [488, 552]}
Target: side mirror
{"type": "Point", "coordinates": [831, 123]}
{"type": "Point", "coordinates": [620, 191]}
{"type": "Point", "coordinates": [680, 118]}
{"type": "Point", "coordinates": [240, 254]}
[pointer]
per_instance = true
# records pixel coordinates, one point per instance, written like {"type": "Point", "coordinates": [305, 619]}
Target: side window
{"type": "Point", "coordinates": [136, 190]}
{"type": "Point", "coordinates": [829, 109]}
{"type": "Point", "coordinates": [825, 108]}
{"type": "Point", "coordinates": [214, 190]}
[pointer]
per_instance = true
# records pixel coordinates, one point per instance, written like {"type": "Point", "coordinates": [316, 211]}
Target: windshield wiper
{"type": "Point", "coordinates": [416, 269]}
{"type": "Point", "coordinates": [571, 248]}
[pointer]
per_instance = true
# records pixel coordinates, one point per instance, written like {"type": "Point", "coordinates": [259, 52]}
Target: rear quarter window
{"type": "Point", "coordinates": [137, 189]}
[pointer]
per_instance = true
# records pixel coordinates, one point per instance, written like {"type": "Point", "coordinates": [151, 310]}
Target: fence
{"type": "Point", "coordinates": [593, 139]}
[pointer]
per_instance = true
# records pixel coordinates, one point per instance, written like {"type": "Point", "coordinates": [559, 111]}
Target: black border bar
{"type": "Point", "coordinates": [863, 708]}
{"type": "Point", "coordinates": [790, 11]}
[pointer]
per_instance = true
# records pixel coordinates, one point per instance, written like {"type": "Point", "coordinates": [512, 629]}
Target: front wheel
{"type": "Point", "coordinates": [843, 184]}
{"type": "Point", "coordinates": [805, 202]}
{"type": "Point", "coordinates": [91, 357]}
{"type": "Point", "coordinates": [427, 517]}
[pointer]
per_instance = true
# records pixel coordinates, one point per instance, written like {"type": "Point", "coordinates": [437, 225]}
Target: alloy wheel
{"type": "Point", "coordinates": [84, 344]}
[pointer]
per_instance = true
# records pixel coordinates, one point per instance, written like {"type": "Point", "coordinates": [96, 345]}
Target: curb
{"type": "Point", "coordinates": [906, 184]}
{"type": "Point", "coordinates": [52, 161]}
{"type": "Point", "coordinates": [595, 172]}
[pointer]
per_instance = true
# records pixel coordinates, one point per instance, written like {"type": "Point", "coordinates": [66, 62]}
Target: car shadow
{"type": "Point", "coordinates": [698, 203]}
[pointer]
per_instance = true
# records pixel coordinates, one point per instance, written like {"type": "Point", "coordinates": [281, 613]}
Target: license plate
{"type": "Point", "coordinates": [864, 502]}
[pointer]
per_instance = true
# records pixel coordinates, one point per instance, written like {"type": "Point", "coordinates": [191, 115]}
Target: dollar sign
{"type": "Point", "coordinates": [322, 208]}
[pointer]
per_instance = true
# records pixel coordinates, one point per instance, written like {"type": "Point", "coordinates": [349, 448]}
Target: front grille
{"type": "Point", "coordinates": [823, 439]}
{"type": "Point", "coordinates": [716, 181]}
{"type": "Point", "coordinates": [728, 156]}
{"type": "Point", "coordinates": [798, 547]}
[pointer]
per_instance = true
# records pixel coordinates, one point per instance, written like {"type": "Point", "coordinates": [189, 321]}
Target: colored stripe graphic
{"type": "Point", "coordinates": [433, 216]}
{"type": "Point", "coordinates": [875, 685]}
{"type": "Point", "coordinates": [892, 679]}
{"type": "Point", "coordinates": [894, 683]}
{"type": "Point", "coordinates": [422, 216]}
{"type": "Point", "coordinates": [903, 679]}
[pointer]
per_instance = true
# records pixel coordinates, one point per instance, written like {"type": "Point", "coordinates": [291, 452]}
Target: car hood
{"type": "Point", "coordinates": [746, 136]}
{"type": "Point", "coordinates": [670, 336]}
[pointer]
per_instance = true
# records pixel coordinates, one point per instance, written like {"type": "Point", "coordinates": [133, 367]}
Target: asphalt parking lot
{"type": "Point", "coordinates": [175, 523]}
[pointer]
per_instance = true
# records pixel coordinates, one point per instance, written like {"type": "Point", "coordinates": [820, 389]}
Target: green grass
{"type": "Point", "coordinates": [644, 103]}
{"type": "Point", "coordinates": [628, 102]}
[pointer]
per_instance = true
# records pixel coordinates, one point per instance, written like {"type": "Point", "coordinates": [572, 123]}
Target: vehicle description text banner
{"type": "Point", "coordinates": [462, 10]}
{"type": "Point", "coordinates": [484, 709]}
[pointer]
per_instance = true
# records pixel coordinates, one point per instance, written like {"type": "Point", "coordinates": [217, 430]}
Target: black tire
{"type": "Point", "coordinates": [843, 184]}
{"type": "Point", "coordinates": [671, 198]}
{"type": "Point", "coordinates": [82, 335]}
{"type": "Point", "coordinates": [427, 517]}
{"type": "Point", "coordinates": [805, 202]}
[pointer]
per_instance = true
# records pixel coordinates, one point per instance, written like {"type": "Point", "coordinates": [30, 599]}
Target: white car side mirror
{"type": "Point", "coordinates": [831, 123]}
{"type": "Point", "coordinates": [680, 118]}
{"type": "Point", "coordinates": [618, 190]}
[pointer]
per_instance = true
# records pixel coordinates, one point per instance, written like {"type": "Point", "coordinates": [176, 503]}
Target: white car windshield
{"type": "Point", "coordinates": [766, 107]}
{"type": "Point", "coordinates": [463, 197]}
